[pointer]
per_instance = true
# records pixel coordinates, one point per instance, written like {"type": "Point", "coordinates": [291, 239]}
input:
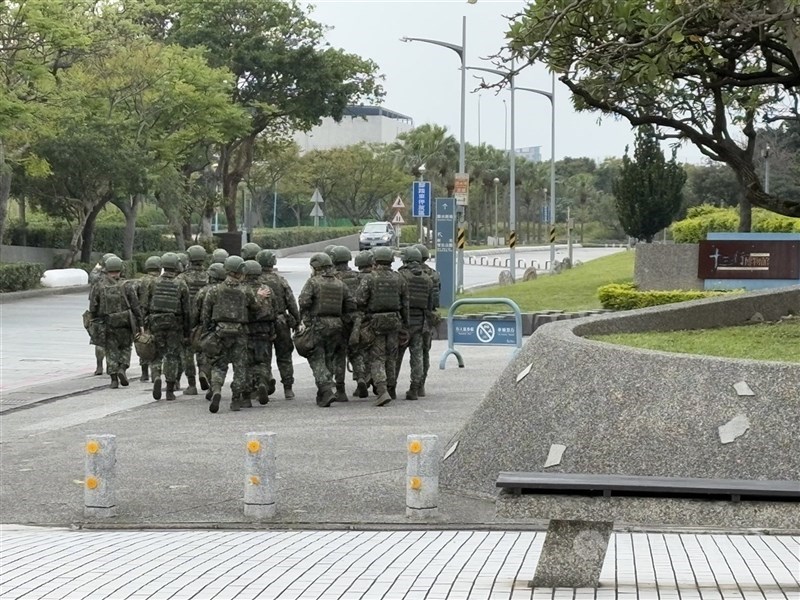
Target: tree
{"type": "Point", "coordinates": [648, 191]}
{"type": "Point", "coordinates": [711, 183]}
{"type": "Point", "coordinates": [697, 71]}
{"type": "Point", "coordinates": [432, 146]}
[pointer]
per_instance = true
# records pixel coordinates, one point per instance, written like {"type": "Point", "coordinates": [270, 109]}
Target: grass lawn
{"type": "Point", "coordinates": [575, 289]}
{"type": "Point", "coordinates": [764, 341]}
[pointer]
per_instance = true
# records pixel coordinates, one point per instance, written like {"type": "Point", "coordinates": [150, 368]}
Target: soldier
{"type": "Point", "coordinates": [117, 306]}
{"type": "Point", "coordinates": [227, 309]}
{"type": "Point", "coordinates": [433, 319]}
{"type": "Point", "coordinates": [219, 255]}
{"type": "Point", "coordinates": [250, 250]}
{"type": "Point", "coordinates": [324, 303]}
{"type": "Point", "coordinates": [216, 274]}
{"type": "Point", "coordinates": [287, 318]}
{"type": "Point", "coordinates": [169, 320]}
{"type": "Point", "coordinates": [364, 261]}
{"type": "Point", "coordinates": [196, 278]}
{"type": "Point", "coordinates": [152, 270]}
{"type": "Point", "coordinates": [420, 305]}
{"type": "Point", "coordinates": [341, 264]}
{"type": "Point", "coordinates": [383, 298]}
{"type": "Point", "coordinates": [260, 332]}
{"type": "Point", "coordinates": [97, 275]}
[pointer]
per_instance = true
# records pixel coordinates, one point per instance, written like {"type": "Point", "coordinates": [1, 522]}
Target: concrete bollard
{"type": "Point", "coordinates": [422, 476]}
{"type": "Point", "coordinates": [259, 480]}
{"type": "Point", "coordinates": [99, 497]}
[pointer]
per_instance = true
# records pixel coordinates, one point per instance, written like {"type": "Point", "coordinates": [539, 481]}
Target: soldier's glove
{"type": "Point", "coordinates": [355, 337]}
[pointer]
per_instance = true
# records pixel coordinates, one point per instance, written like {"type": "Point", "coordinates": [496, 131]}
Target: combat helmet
{"type": "Point", "coordinates": [234, 264]}
{"type": "Point", "coordinates": [153, 263]}
{"type": "Point", "coordinates": [105, 257]}
{"type": "Point", "coordinates": [383, 254]}
{"type": "Point", "coordinates": [252, 267]}
{"type": "Point", "coordinates": [411, 254]}
{"type": "Point", "coordinates": [341, 254]}
{"type": "Point", "coordinates": [329, 249]}
{"type": "Point", "coordinates": [216, 272]}
{"type": "Point", "coordinates": [219, 255]}
{"type": "Point", "coordinates": [170, 262]}
{"type": "Point", "coordinates": [364, 259]}
{"type": "Point", "coordinates": [266, 258]}
{"type": "Point", "coordinates": [113, 264]}
{"type": "Point", "coordinates": [250, 250]}
{"type": "Point", "coordinates": [320, 260]}
{"type": "Point", "coordinates": [196, 253]}
{"type": "Point", "coordinates": [423, 250]}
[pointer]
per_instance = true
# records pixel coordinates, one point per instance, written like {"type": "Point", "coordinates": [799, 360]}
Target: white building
{"type": "Point", "coordinates": [360, 124]}
{"type": "Point", "coordinates": [531, 153]}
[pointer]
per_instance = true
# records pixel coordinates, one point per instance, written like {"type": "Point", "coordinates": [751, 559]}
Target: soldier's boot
{"type": "Point", "coordinates": [262, 394]}
{"type": "Point", "coordinates": [271, 384]}
{"type": "Point", "coordinates": [326, 397]}
{"type": "Point", "coordinates": [114, 382]}
{"type": "Point", "coordinates": [123, 378]}
{"type": "Point", "coordinates": [98, 355]}
{"type": "Point", "coordinates": [203, 382]}
{"type": "Point", "coordinates": [235, 403]}
{"type": "Point", "coordinates": [287, 392]}
{"type": "Point", "coordinates": [209, 394]}
{"type": "Point", "coordinates": [361, 390]}
{"type": "Point", "coordinates": [392, 389]}
{"type": "Point", "coordinates": [412, 392]}
{"type": "Point", "coordinates": [156, 387]}
{"type": "Point", "coordinates": [170, 390]}
{"type": "Point", "coordinates": [191, 389]}
{"type": "Point", "coordinates": [375, 391]}
{"type": "Point", "coordinates": [216, 396]}
{"type": "Point", "coordinates": [245, 400]}
{"type": "Point", "coordinates": [421, 389]}
{"type": "Point", "coordinates": [383, 396]}
{"type": "Point", "coordinates": [341, 393]}
{"type": "Point", "coordinates": [145, 373]}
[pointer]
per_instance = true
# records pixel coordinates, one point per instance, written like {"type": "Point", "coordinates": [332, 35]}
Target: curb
{"type": "Point", "coordinates": [40, 292]}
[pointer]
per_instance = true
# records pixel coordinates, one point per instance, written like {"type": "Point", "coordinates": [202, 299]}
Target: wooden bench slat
{"type": "Point", "coordinates": [602, 484]}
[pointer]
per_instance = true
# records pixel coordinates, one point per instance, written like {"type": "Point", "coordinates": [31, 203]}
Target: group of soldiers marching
{"type": "Point", "coordinates": [188, 317]}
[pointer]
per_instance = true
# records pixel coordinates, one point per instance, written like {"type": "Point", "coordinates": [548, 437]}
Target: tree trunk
{"type": "Point", "coordinates": [187, 230]}
{"type": "Point", "coordinates": [23, 219]}
{"type": "Point", "coordinates": [205, 224]}
{"type": "Point", "coordinates": [5, 188]}
{"type": "Point", "coordinates": [87, 235]}
{"type": "Point", "coordinates": [745, 214]}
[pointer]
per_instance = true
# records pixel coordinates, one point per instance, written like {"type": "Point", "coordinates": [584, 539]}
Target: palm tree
{"type": "Point", "coordinates": [432, 146]}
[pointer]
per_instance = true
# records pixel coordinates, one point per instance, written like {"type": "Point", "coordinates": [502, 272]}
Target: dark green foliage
{"type": "Point", "coordinates": [107, 237]}
{"type": "Point", "coordinates": [705, 218]}
{"type": "Point", "coordinates": [20, 276]}
{"type": "Point", "coordinates": [625, 296]}
{"type": "Point", "coordinates": [297, 236]}
{"type": "Point", "coordinates": [649, 190]}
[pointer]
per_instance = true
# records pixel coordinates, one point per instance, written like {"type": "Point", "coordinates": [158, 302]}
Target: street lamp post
{"type": "Point", "coordinates": [274, 203]}
{"type": "Point", "coordinates": [496, 183]}
{"type": "Point", "coordinates": [462, 166]}
{"type": "Point", "coordinates": [766, 169]}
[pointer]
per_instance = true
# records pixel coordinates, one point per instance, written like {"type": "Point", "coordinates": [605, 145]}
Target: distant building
{"type": "Point", "coordinates": [360, 124]}
{"type": "Point", "coordinates": [531, 153]}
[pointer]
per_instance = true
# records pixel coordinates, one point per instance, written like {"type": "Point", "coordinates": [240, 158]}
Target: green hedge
{"type": "Point", "coordinates": [20, 276]}
{"type": "Point", "coordinates": [625, 296]}
{"type": "Point", "coordinates": [706, 218]}
{"type": "Point", "coordinates": [107, 237]}
{"type": "Point", "coordinates": [286, 237]}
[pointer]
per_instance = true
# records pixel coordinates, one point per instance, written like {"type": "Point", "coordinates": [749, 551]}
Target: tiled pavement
{"type": "Point", "coordinates": [429, 565]}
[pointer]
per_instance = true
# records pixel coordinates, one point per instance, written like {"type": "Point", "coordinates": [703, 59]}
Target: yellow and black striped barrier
{"type": "Point", "coordinates": [512, 239]}
{"type": "Point", "coordinates": [553, 234]}
{"type": "Point", "coordinates": [462, 237]}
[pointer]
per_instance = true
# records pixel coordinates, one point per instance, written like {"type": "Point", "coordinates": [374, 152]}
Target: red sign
{"type": "Point", "coordinates": [742, 259]}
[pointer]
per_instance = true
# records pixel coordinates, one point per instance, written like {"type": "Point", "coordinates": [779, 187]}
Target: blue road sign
{"type": "Point", "coordinates": [484, 332]}
{"type": "Point", "coordinates": [421, 199]}
{"type": "Point", "coordinates": [544, 214]}
{"type": "Point", "coordinates": [445, 248]}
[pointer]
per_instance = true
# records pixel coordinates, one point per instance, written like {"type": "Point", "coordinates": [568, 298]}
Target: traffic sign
{"type": "Point", "coordinates": [445, 248]}
{"type": "Point", "coordinates": [316, 211]}
{"type": "Point", "coordinates": [421, 199]}
{"type": "Point", "coordinates": [398, 219]}
{"type": "Point", "coordinates": [317, 197]}
{"type": "Point", "coordinates": [398, 203]}
{"type": "Point", "coordinates": [461, 188]}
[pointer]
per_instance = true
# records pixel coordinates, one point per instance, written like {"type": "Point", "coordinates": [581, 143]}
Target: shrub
{"type": "Point", "coordinates": [20, 276]}
{"type": "Point", "coordinates": [625, 296]}
{"type": "Point", "coordinates": [706, 218]}
{"type": "Point", "coordinates": [108, 237]}
{"type": "Point", "coordinates": [287, 237]}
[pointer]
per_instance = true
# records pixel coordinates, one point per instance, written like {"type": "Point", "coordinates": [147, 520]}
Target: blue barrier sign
{"type": "Point", "coordinates": [481, 332]}
{"type": "Point", "coordinates": [421, 199]}
{"type": "Point", "coordinates": [445, 248]}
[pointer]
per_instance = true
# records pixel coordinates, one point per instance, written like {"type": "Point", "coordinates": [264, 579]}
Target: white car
{"type": "Point", "coordinates": [379, 233]}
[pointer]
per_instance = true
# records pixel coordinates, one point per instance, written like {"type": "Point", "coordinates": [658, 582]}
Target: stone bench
{"type": "Point", "coordinates": [582, 510]}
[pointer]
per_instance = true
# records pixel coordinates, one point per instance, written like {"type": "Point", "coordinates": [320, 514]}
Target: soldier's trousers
{"type": "Point", "coordinates": [427, 341]}
{"type": "Point", "coordinates": [234, 352]}
{"type": "Point", "coordinates": [383, 359]}
{"type": "Point", "coordinates": [322, 361]}
{"type": "Point", "coordinates": [283, 347]}
{"type": "Point", "coordinates": [118, 350]}
{"type": "Point", "coordinates": [259, 360]}
{"type": "Point", "coordinates": [416, 344]}
{"type": "Point", "coordinates": [343, 356]}
{"type": "Point", "coordinates": [187, 360]}
{"type": "Point", "coordinates": [169, 355]}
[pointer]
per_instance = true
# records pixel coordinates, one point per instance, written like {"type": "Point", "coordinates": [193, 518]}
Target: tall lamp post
{"type": "Point", "coordinates": [766, 169]}
{"type": "Point", "coordinates": [462, 54]}
{"type": "Point", "coordinates": [496, 181]}
{"type": "Point", "coordinates": [551, 95]}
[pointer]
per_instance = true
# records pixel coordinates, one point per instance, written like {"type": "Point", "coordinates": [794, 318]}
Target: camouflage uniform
{"type": "Point", "coordinates": [324, 303]}
{"type": "Point", "coordinates": [260, 332]}
{"type": "Point", "coordinates": [98, 275]}
{"type": "Point", "coordinates": [112, 302]}
{"type": "Point", "coordinates": [196, 278]}
{"type": "Point", "coordinates": [433, 317]}
{"type": "Point", "coordinates": [287, 318]}
{"type": "Point", "coordinates": [420, 302]}
{"type": "Point", "coordinates": [144, 291]}
{"type": "Point", "coordinates": [343, 272]}
{"type": "Point", "coordinates": [169, 320]}
{"type": "Point", "coordinates": [358, 351]}
{"type": "Point", "coordinates": [383, 298]}
{"type": "Point", "coordinates": [216, 274]}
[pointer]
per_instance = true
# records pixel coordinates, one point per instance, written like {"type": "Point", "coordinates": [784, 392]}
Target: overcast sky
{"type": "Point", "coordinates": [423, 81]}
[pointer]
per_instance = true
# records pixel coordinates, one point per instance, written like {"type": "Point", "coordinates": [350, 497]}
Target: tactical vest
{"type": "Point", "coordinates": [113, 298]}
{"type": "Point", "coordinates": [196, 279]}
{"type": "Point", "coordinates": [166, 296]}
{"type": "Point", "coordinates": [230, 305]}
{"type": "Point", "coordinates": [418, 289]}
{"type": "Point", "coordinates": [385, 295]}
{"type": "Point", "coordinates": [349, 278]}
{"type": "Point", "coordinates": [278, 295]}
{"type": "Point", "coordinates": [266, 316]}
{"type": "Point", "coordinates": [331, 297]}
